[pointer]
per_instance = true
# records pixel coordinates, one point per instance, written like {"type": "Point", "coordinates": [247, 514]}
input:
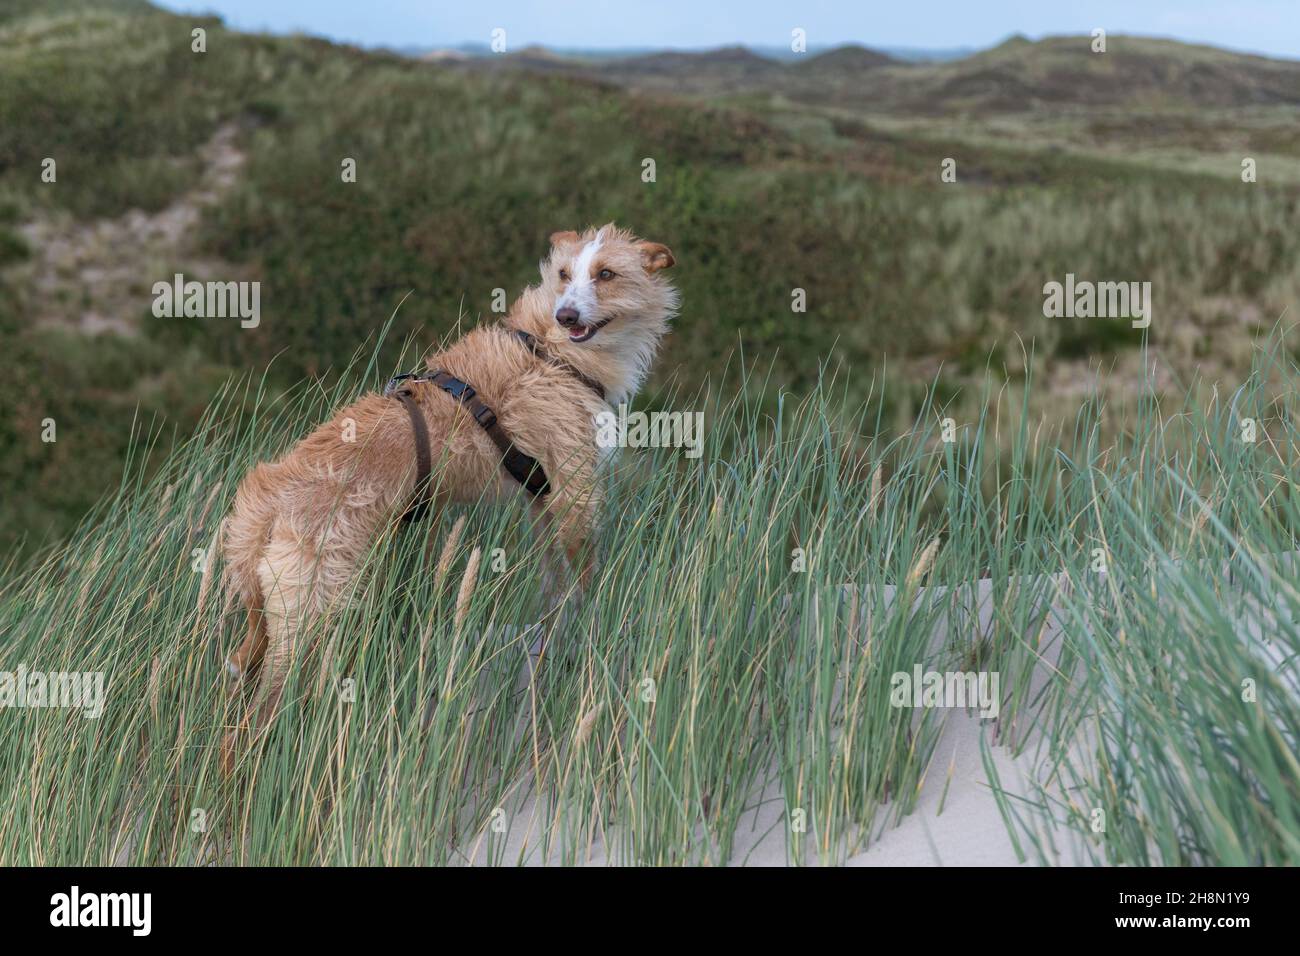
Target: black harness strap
{"type": "Point", "coordinates": [523, 468]}
{"type": "Point", "coordinates": [423, 460]}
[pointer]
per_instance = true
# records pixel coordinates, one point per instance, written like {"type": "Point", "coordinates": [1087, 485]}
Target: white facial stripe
{"type": "Point", "coordinates": [581, 291]}
{"type": "Point", "coordinates": [582, 267]}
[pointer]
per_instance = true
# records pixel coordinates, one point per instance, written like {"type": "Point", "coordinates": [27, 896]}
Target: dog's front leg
{"type": "Point", "coordinates": [568, 520]}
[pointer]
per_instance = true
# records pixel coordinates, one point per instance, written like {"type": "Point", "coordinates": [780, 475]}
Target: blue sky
{"type": "Point", "coordinates": [1263, 26]}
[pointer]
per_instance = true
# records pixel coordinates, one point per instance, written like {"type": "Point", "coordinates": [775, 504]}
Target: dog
{"type": "Point", "coordinates": [580, 341]}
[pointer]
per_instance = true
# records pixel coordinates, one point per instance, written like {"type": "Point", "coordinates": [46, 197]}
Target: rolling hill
{"type": "Point", "coordinates": [1018, 75]}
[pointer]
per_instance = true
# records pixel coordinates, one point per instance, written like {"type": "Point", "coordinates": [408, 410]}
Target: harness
{"type": "Point", "coordinates": [523, 468]}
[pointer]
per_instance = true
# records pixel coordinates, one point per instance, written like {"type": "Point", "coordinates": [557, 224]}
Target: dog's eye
{"type": "Point", "coordinates": [605, 274]}
{"type": "Point", "coordinates": [564, 276]}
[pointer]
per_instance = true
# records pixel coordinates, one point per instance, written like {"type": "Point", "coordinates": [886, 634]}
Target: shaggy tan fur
{"type": "Point", "coordinates": [301, 526]}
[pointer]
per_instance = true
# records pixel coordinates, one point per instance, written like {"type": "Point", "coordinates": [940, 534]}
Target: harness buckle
{"type": "Point", "coordinates": [396, 381]}
{"type": "Point", "coordinates": [461, 391]}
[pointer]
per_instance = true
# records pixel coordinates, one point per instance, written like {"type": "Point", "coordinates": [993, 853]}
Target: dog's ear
{"type": "Point", "coordinates": [656, 256]}
{"type": "Point", "coordinates": [559, 238]}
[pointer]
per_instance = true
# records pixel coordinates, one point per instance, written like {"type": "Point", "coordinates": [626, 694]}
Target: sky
{"type": "Point", "coordinates": [1261, 26]}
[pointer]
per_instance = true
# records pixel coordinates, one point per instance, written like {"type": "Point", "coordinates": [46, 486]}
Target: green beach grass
{"type": "Point", "coordinates": [732, 661]}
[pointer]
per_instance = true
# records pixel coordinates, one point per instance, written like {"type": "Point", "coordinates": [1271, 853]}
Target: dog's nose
{"type": "Point", "coordinates": [566, 317]}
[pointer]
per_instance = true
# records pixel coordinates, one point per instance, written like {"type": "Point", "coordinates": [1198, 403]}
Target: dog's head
{"type": "Point", "coordinates": [606, 286]}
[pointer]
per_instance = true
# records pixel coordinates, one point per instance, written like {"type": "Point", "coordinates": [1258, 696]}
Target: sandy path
{"type": "Point", "coordinates": [97, 276]}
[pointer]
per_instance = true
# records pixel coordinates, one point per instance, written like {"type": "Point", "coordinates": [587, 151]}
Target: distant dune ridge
{"type": "Point", "coordinates": [1018, 74]}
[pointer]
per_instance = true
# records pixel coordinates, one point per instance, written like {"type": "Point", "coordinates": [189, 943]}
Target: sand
{"type": "Point", "coordinates": [956, 820]}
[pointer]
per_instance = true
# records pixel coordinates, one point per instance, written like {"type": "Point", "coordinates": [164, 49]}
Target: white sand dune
{"type": "Point", "coordinates": [956, 820]}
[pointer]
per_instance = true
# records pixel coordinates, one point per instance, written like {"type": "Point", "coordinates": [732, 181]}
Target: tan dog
{"type": "Point", "coordinates": [301, 526]}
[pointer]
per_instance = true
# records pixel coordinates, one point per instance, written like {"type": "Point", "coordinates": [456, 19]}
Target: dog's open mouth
{"type": "Point", "coordinates": [585, 333]}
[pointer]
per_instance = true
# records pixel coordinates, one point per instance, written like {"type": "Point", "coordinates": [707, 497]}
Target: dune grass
{"type": "Point", "coordinates": [727, 679]}
{"type": "Point", "coordinates": [1173, 698]}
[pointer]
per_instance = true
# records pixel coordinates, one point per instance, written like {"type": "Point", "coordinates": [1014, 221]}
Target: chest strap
{"type": "Point", "coordinates": [419, 505]}
{"type": "Point", "coordinates": [523, 468]}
